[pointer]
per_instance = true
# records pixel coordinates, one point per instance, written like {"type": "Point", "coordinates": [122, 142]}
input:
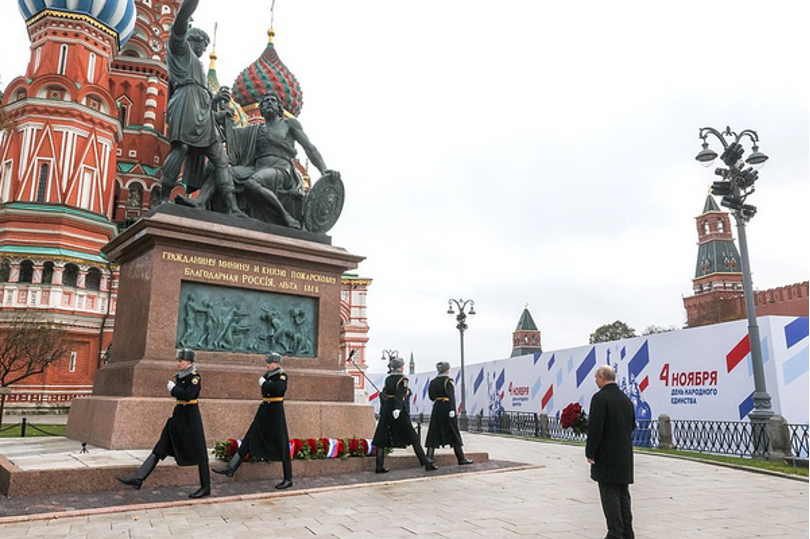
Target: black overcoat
{"type": "Point", "coordinates": [610, 436]}
{"type": "Point", "coordinates": [395, 432]}
{"type": "Point", "coordinates": [443, 429]}
{"type": "Point", "coordinates": [267, 438]}
{"type": "Point", "coordinates": [183, 437]}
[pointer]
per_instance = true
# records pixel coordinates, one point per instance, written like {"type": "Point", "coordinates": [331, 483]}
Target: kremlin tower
{"type": "Point", "coordinates": [526, 337]}
{"type": "Point", "coordinates": [717, 287]}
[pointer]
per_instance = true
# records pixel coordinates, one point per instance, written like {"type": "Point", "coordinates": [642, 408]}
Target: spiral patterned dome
{"type": "Point", "coordinates": [116, 14]}
{"type": "Point", "coordinates": [268, 72]}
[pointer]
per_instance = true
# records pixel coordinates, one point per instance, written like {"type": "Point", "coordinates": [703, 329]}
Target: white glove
{"type": "Point", "coordinates": [452, 414]}
{"type": "Point", "coordinates": [395, 413]}
{"type": "Point", "coordinates": [262, 380]}
{"type": "Point", "coordinates": [170, 385]}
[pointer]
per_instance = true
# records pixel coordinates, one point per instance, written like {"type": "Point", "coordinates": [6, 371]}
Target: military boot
{"type": "Point", "coordinates": [381, 461]}
{"type": "Point", "coordinates": [286, 465]}
{"type": "Point", "coordinates": [230, 468]}
{"type": "Point", "coordinates": [462, 460]}
{"type": "Point", "coordinates": [205, 483]}
{"type": "Point", "coordinates": [142, 473]}
{"type": "Point", "coordinates": [428, 463]}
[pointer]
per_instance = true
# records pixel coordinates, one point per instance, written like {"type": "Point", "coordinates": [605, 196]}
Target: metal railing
{"type": "Point", "coordinates": [24, 428]}
{"type": "Point", "coordinates": [717, 437]}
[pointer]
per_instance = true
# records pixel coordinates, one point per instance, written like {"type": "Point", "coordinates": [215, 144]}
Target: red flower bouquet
{"type": "Point", "coordinates": [574, 417]}
{"type": "Point", "coordinates": [308, 448]}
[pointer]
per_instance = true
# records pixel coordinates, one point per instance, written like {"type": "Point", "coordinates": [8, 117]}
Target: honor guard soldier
{"type": "Point", "coordinates": [267, 438]}
{"type": "Point", "coordinates": [395, 428]}
{"type": "Point", "coordinates": [443, 429]}
{"type": "Point", "coordinates": [182, 437]}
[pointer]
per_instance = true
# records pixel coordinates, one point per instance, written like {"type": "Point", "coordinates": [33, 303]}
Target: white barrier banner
{"type": "Point", "coordinates": [699, 373]}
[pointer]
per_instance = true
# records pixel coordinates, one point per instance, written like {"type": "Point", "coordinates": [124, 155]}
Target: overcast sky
{"type": "Point", "coordinates": [521, 152]}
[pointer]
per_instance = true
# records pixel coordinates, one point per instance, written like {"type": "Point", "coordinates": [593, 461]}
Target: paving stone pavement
{"type": "Point", "coordinates": [672, 498]}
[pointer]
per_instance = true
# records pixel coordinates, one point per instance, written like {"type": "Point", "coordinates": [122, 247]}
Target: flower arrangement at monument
{"type": "Point", "coordinates": [574, 417]}
{"type": "Point", "coordinates": [308, 448]}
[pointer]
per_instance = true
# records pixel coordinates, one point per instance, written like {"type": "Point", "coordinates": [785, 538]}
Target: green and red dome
{"type": "Point", "coordinates": [268, 72]}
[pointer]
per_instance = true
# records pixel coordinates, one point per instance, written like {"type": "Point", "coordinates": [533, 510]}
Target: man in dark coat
{"type": "Point", "coordinates": [394, 428]}
{"type": "Point", "coordinates": [443, 429]}
{"type": "Point", "coordinates": [609, 451]}
{"type": "Point", "coordinates": [267, 438]}
{"type": "Point", "coordinates": [183, 437]}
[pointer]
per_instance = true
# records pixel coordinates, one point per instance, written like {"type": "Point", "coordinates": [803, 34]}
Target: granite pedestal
{"type": "Point", "coordinates": [172, 247]}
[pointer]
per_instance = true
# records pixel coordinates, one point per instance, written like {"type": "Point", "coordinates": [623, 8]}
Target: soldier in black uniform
{"type": "Point", "coordinates": [182, 437]}
{"type": "Point", "coordinates": [443, 428]}
{"type": "Point", "coordinates": [267, 437]}
{"type": "Point", "coordinates": [395, 428]}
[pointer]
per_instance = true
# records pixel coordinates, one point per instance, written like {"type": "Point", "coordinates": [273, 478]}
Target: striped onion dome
{"type": "Point", "coordinates": [119, 15]}
{"type": "Point", "coordinates": [265, 73]}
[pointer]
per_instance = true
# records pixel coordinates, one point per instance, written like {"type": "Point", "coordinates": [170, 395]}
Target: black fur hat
{"type": "Point", "coordinates": [186, 354]}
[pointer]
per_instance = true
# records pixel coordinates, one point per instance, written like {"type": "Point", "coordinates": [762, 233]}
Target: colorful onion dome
{"type": "Point", "coordinates": [268, 72]}
{"type": "Point", "coordinates": [119, 15]}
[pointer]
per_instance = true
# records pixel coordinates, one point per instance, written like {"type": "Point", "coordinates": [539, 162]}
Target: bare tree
{"type": "Point", "coordinates": [29, 344]}
{"type": "Point", "coordinates": [653, 330]}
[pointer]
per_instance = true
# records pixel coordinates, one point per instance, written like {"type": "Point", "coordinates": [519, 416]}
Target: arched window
{"type": "Point", "coordinates": [93, 279]}
{"type": "Point", "coordinates": [154, 200]}
{"type": "Point", "coordinates": [47, 273]}
{"type": "Point", "coordinates": [71, 275]}
{"type": "Point", "coordinates": [705, 227]}
{"type": "Point", "coordinates": [5, 271]}
{"type": "Point", "coordinates": [63, 54]}
{"type": "Point", "coordinates": [26, 271]}
{"type": "Point", "coordinates": [135, 197]}
{"type": "Point", "coordinates": [116, 198]}
{"type": "Point", "coordinates": [42, 184]}
{"type": "Point", "coordinates": [91, 68]}
{"type": "Point", "coordinates": [5, 179]}
{"type": "Point", "coordinates": [721, 226]}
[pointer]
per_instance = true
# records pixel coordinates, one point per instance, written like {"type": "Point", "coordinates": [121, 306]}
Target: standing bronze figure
{"type": "Point", "coordinates": [190, 114]}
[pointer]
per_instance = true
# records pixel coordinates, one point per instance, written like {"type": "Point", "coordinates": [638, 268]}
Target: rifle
{"type": "Point", "coordinates": [350, 360]}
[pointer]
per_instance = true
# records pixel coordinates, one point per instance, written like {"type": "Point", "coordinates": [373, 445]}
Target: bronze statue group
{"type": "Point", "coordinates": [255, 177]}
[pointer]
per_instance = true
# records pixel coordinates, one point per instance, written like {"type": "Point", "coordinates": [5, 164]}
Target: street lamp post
{"type": "Point", "coordinates": [388, 355]}
{"type": "Point", "coordinates": [737, 184]}
{"type": "Point", "coordinates": [461, 324]}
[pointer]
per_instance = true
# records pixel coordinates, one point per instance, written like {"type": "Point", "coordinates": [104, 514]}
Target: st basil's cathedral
{"type": "Point", "coordinates": [80, 159]}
